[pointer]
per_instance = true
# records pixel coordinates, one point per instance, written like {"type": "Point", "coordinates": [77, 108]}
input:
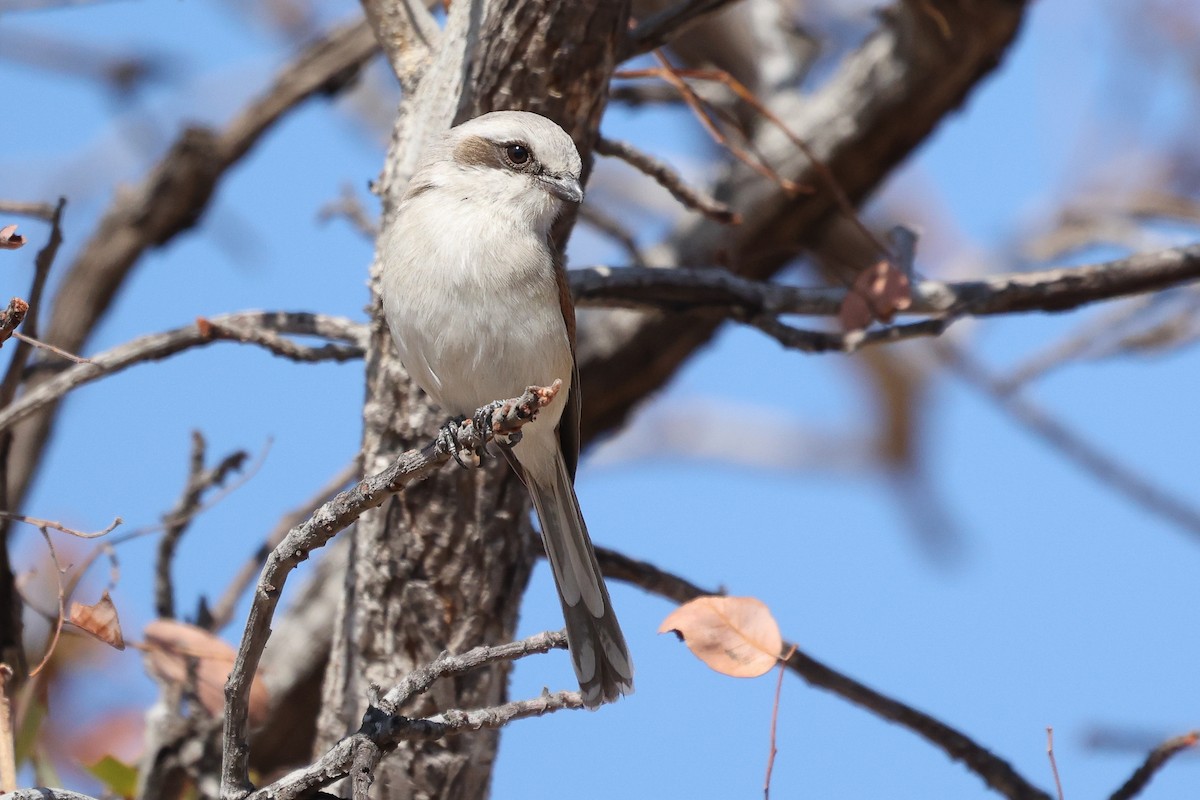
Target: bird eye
{"type": "Point", "coordinates": [518, 154]}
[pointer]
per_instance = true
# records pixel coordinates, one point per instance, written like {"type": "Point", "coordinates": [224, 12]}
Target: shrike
{"type": "Point", "coordinates": [477, 300]}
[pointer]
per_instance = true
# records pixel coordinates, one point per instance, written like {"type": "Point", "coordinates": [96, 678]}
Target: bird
{"type": "Point", "coordinates": [476, 298]}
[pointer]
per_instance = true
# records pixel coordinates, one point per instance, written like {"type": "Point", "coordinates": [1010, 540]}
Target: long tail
{"type": "Point", "coordinates": [598, 650]}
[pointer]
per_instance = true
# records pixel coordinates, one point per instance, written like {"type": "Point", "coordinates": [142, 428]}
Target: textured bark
{"type": "Point", "coordinates": [444, 565]}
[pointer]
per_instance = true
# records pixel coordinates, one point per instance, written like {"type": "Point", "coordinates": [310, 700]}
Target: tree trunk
{"type": "Point", "coordinates": [444, 565]}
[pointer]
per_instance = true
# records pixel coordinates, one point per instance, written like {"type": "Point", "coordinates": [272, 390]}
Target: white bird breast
{"type": "Point", "coordinates": [474, 308]}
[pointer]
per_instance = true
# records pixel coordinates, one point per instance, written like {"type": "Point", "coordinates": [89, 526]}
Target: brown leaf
{"type": "Point", "coordinates": [99, 620]}
{"type": "Point", "coordinates": [736, 636]}
{"type": "Point", "coordinates": [185, 655]}
{"type": "Point", "coordinates": [10, 239]}
{"type": "Point", "coordinates": [878, 293]}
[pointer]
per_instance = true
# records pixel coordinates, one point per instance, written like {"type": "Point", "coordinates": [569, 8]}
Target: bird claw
{"type": "Point", "coordinates": [483, 421]}
{"type": "Point", "coordinates": [447, 440]}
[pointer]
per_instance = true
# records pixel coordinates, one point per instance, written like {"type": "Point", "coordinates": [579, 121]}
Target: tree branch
{"type": "Point", "coordinates": [1052, 290]}
{"type": "Point", "coordinates": [315, 532]}
{"type": "Point", "coordinates": [1157, 759]}
{"type": "Point", "coordinates": [382, 729]}
{"type": "Point", "coordinates": [658, 29]}
{"type": "Point", "coordinates": [251, 327]}
{"type": "Point", "coordinates": [408, 34]}
{"type": "Point", "coordinates": [177, 520]}
{"type": "Point", "coordinates": [669, 179]}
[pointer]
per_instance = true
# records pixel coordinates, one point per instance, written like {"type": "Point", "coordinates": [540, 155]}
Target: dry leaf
{"type": "Point", "coordinates": [99, 620]}
{"type": "Point", "coordinates": [185, 655]}
{"type": "Point", "coordinates": [736, 636]}
{"type": "Point", "coordinates": [878, 293]}
{"type": "Point", "coordinates": [10, 239]}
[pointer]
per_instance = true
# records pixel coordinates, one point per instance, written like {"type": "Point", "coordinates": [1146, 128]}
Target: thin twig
{"type": "Point", "coordinates": [379, 734]}
{"type": "Point", "coordinates": [58, 526]}
{"type": "Point", "coordinates": [1053, 763]}
{"type": "Point", "coordinates": [42, 211]}
{"type": "Point", "coordinates": [831, 183]}
{"type": "Point", "coordinates": [671, 75]}
{"type": "Point", "coordinates": [42, 263]}
{"type": "Point", "coordinates": [775, 724]}
{"type": "Point", "coordinates": [175, 523]}
{"type": "Point", "coordinates": [351, 208]}
{"type": "Point", "coordinates": [419, 680]}
{"type": "Point", "coordinates": [669, 179]}
{"type": "Point", "coordinates": [1156, 760]}
{"type": "Point", "coordinates": [58, 351]}
{"type": "Point", "coordinates": [62, 605]}
{"type": "Point", "coordinates": [315, 532]}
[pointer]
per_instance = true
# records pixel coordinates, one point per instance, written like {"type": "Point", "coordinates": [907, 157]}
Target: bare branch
{"type": "Point", "coordinates": [1017, 292]}
{"type": "Point", "coordinates": [408, 34]}
{"type": "Point", "coordinates": [176, 522]}
{"type": "Point", "coordinates": [42, 211]}
{"type": "Point", "coordinates": [658, 29]}
{"type": "Point", "coordinates": [382, 729]}
{"type": "Point", "coordinates": [58, 351]}
{"type": "Point", "coordinates": [42, 793]}
{"type": "Point", "coordinates": [669, 179]}
{"type": "Point", "coordinates": [1053, 762]}
{"type": "Point", "coordinates": [251, 327]}
{"type": "Point", "coordinates": [61, 617]}
{"type": "Point", "coordinates": [419, 681]}
{"type": "Point", "coordinates": [37, 522]}
{"type": "Point", "coordinates": [351, 208]}
{"type": "Point", "coordinates": [315, 532]}
{"type": "Point", "coordinates": [1157, 759]}
{"type": "Point", "coordinates": [42, 264]}
{"type": "Point", "coordinates": [849, 342]}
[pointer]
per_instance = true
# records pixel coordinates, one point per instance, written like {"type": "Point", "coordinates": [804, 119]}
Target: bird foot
{"type": "Point", "coordinates": [447, 441]}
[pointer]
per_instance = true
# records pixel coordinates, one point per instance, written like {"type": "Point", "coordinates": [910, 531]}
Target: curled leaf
{"type": "Point", "coordinates": [10, 239]}
{"type": "Point", "coordinates": [100, 620]}
{"type": "Point", "coordinates": [184, 655]}
{"type": "Point", "coordinates": [736, 636]}
{"type": "Point", "coordinates": [878, 293]}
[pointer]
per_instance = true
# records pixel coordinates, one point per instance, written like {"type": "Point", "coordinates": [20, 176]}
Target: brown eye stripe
{"type": "Point", "coordinates": [475, 151]}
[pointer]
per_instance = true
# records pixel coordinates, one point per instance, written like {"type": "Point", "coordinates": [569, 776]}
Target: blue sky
{"type": "Point", "coordinates": [1067, 605]}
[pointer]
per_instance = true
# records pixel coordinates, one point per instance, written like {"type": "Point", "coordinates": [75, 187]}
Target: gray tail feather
{"type": "Point", "coordinates": [598, 650]}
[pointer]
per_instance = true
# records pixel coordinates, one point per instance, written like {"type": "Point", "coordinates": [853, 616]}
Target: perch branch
{"type": "Point", "coordinates": [315, 532]}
